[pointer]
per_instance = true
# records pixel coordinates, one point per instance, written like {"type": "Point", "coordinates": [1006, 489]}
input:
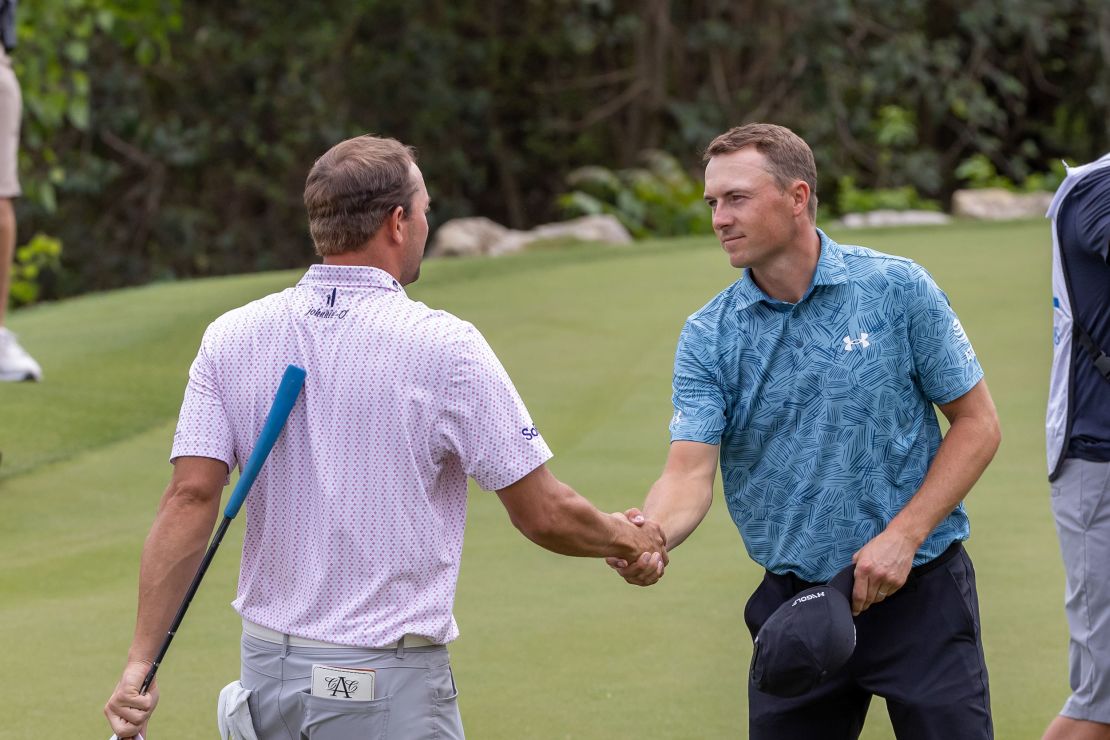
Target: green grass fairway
{"type": "Point", "coordinates": [551, 648]}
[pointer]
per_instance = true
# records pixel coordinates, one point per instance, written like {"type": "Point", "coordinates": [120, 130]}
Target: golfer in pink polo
{"type": "Point", "coordinates": [354, 527]}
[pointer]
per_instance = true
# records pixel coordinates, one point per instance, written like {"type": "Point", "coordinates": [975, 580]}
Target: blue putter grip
{"type": "Point", "coordinates": [286, 397]}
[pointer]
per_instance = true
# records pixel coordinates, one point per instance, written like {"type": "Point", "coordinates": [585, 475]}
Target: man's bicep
{"type": "Point", "coordinates": [694, 461]}
{"type": "Point", "coordinates": [977, 403]}
{"type": "Point", "coordinates": [202, 476]}
{"type": "Point", "coordinates": [528, 500]}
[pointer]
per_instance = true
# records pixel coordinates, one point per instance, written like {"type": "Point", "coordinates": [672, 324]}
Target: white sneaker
{"type": "Point", "coordinates": [15, 363]}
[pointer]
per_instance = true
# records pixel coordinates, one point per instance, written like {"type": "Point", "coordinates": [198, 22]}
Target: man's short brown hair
{"type": "Point", "coordinates": [789, 158]}
{"type": "Point", "coordinates": [351, 189]}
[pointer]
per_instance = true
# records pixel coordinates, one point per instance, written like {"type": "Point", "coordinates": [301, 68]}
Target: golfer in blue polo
{"type": "Point", "coordinates": [813, 379]}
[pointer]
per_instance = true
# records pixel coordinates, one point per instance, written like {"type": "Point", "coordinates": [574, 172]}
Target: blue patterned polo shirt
{"type": "Point", "coordinates": [824, 409]}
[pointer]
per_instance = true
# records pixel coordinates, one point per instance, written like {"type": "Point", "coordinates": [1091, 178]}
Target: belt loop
{"type": "Point", "coordinates": [401, 648]}
{"type": "Point", "coordinates": [284, 646]}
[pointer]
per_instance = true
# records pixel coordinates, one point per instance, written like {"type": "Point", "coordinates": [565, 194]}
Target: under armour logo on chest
{"type": "Point", "coordinates": [850, 344]}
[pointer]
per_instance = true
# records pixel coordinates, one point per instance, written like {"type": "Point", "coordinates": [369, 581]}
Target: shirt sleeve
{"type": "Point", "coordinates": [484, 421]}
{"type": "Point", "coordinates": [203, 429]}
{"type": "Point", "coordinates": [699, 401]}
{"type": "Point", "coordinates": [944, 360]}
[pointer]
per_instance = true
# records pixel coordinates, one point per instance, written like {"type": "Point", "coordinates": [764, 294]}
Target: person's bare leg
{"type": "Point", "coordinates": [1066, 728]}
{"type": "Point", "coordinates": [7, 252]}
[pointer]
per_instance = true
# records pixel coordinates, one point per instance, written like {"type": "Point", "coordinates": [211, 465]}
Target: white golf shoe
{"type": "Point", "coordinates": [15, 363]}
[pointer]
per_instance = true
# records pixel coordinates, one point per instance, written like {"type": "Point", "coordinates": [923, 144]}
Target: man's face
{"type": "Point", "coordinates": [416, 232]}
{"type": "Point", "coordinates": [754, 219]}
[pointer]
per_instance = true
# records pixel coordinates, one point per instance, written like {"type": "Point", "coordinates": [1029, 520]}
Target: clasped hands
{"type": "Point", "coordinates": [651, 542]}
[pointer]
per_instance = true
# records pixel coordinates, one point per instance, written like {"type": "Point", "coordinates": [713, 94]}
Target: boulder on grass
{"type": "Point", "coordinates": [463, 237]}
{"type": "Point", "coordinates": [603, 228]}
{"type": "Point", "coordinates": [875, 219]}
{"type": "Point", "coordinates": [996, 204]}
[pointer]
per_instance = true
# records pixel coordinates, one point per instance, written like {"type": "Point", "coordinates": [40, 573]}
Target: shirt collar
{"type": "Point", "coordinates": [354, 276]}
{"type": "Point", "coordinates": [830, 271]}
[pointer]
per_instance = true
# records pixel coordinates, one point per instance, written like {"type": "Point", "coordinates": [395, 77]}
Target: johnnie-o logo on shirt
{"type": "Point", "coordinates": [325, 313]}
{"type": "Point", "coordinates": [529, 433]}
{"type": "Point", "coordinates": [329, 312]}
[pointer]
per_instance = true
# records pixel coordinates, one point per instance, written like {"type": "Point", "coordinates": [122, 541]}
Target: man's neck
{"type": "Point", "coordinates": [789, 275]}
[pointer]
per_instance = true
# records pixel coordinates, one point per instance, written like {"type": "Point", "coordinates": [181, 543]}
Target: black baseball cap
{"type": "Point", "coordinates": [807, 639]}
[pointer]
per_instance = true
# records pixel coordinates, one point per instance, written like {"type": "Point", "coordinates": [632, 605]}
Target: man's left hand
{"type": "Point", "coordinates": [882, 567]}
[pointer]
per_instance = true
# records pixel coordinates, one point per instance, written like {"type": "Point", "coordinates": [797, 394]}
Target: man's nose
{"type": "Point", "coordinates": [721, 218]}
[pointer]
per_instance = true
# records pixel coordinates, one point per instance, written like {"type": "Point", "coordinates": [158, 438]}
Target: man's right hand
{"type": "Point", "coordinates": [651, 544]}
{"type": "Point", "coordinates": [127, 710]}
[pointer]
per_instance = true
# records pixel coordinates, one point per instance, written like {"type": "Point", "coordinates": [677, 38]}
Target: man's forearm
{"type": "Point", "coordinates": [577, 527]}
{"type": "Point", "coordinates": [678, 505]}
{"type": "Point", "coordinates": [171, 554]}
{"type": "Point", "coordinates": [554, 516]}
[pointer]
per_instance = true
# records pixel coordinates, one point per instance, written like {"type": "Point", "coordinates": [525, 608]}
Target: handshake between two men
{"type": "Point", "coordinates": [551, 514]}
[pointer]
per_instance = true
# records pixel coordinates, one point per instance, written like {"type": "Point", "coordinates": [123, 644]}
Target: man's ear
{"type": "Point", "coordinates": [395, 224]}
{"type": "Point", "coordinates": [799, 196]}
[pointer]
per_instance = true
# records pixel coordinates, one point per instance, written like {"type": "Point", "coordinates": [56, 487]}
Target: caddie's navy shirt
{"type": "Point", "coordinates": [1084, 233]}
{"type": "Point", "coordinates": [824, 408]}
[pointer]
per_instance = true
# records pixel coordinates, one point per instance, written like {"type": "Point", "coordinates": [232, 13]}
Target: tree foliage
{"type": "Point", "coordinates": [166, 139]}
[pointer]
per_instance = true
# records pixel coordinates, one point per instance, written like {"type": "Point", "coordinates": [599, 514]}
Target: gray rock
{"type": "Point", "coordinates": [512, 241]}
{"type": "Point", "coordinates": [605, 229]}
{"type": "Point", "coordinates": [461, 237]}
{"type": "Point", "coordinates": [873, 219]}
{"type": "Point", "coordinates": [481, 236]}
{"type": "Point", "coordinates": [996, 204]}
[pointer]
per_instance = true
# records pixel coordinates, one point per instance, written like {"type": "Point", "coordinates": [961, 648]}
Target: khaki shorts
{"type": "Point", "coordinates": [11, 109]}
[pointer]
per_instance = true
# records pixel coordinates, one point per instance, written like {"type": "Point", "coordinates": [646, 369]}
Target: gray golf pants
{"type": "Point", "coordinates": [1081, 505]}
{"type": "Point", "coordinates": [415, 695]}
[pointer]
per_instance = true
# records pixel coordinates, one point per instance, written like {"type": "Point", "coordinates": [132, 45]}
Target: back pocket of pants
{"type": "Point", "coordinates": [339, 719]}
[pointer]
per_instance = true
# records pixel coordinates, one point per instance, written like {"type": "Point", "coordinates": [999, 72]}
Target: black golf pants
{"type": "Point", "coordinates": [920, 649]}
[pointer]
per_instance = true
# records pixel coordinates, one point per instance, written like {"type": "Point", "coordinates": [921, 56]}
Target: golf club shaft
{"type": "Point", "coordinates": [292, 380]}
{"type": "Point", "coordinates": [216, 539]}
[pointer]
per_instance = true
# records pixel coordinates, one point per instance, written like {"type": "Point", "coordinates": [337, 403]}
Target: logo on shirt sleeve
{"type": "Point", "coordinates": [961, 337]}
{"type": "Point", "coordinates": [958, 330]}
{"type": "Point", "coordinates": [529, 433]}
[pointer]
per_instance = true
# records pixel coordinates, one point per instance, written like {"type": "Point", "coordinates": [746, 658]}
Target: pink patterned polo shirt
{"type": "Point", "coordinates": [355, 525]}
